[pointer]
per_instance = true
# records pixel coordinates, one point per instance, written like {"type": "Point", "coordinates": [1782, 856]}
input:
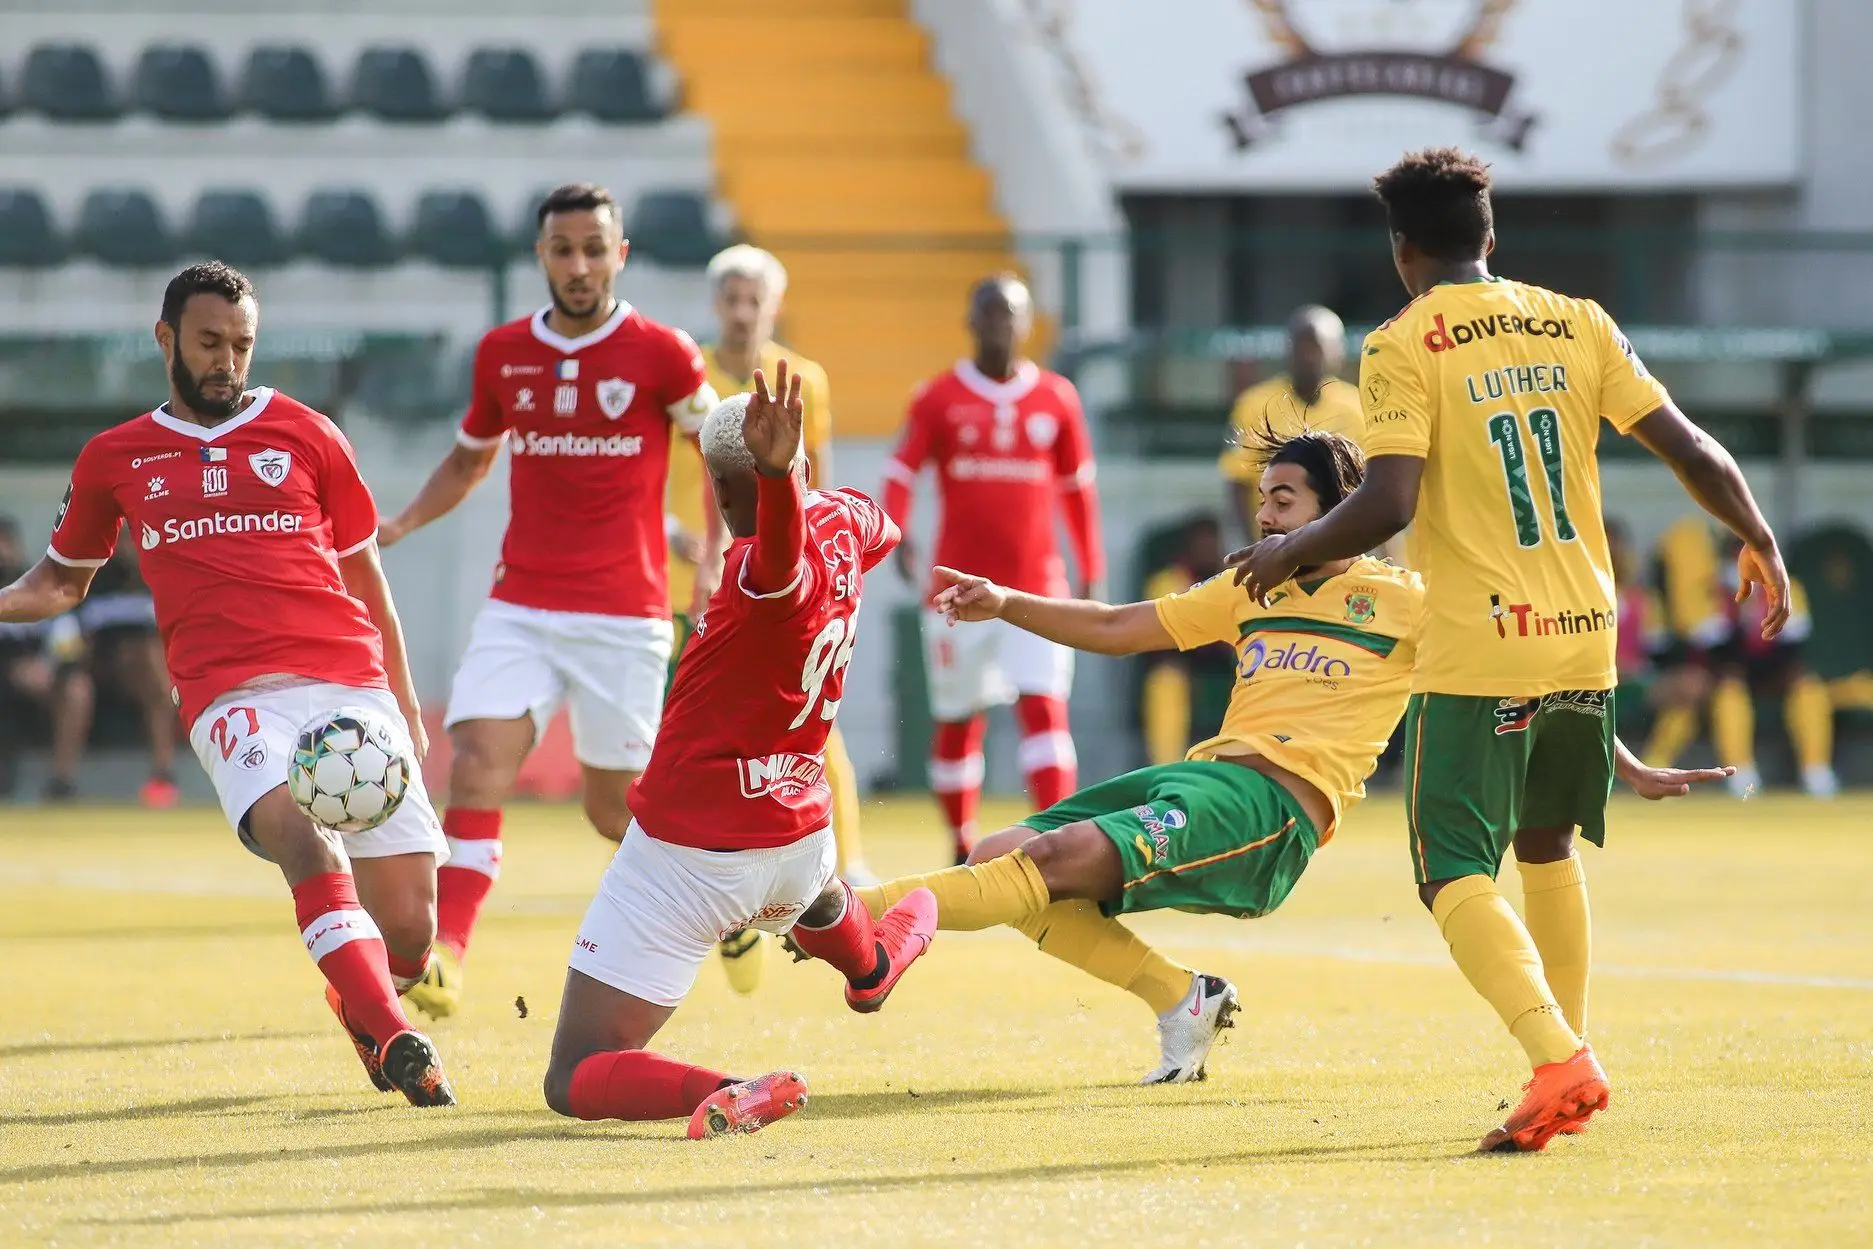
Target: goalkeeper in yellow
{"type": "Point", "coordinates": [1483, 401]}
{"type": "Point", "coordinates": [748, 284]}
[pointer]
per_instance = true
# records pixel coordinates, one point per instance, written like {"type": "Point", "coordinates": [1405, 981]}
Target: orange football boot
{"type": "Point", "coordinates": [904, 932]}
{"type": "Point", "coordinates": [362, 1042]}
{"type": "Point", "coordinates": [748, 1106]}
{"type": "Point", "coordinates": [1557, 1097]}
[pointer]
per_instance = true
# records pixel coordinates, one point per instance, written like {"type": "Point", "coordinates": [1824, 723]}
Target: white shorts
{"type": "Point", "coordinates": [984, 663]}
{"type": "Point", "coordinates": [661, 908]}
{"type": "Point", "coordinates": [245, 740]}
{"type": "Point", "coordinates": [608, 670]}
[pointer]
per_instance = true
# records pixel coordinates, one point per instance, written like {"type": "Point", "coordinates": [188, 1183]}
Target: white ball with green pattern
{"type": "Point", "coordinates": [350, 769]}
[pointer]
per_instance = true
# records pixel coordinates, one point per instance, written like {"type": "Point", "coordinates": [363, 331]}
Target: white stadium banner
{"type": "Point", "coordinates": [1319, 95]}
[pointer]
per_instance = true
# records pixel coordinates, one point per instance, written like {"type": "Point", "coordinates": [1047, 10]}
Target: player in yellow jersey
{"type": "Point", "coordinates": [1310, 395]}
{"type": "Point", "coordinates": [748, 284]}
{"type": "Point", "coordinates": [1483, 401]}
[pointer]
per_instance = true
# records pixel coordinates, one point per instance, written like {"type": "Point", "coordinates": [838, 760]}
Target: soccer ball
{"type": "Point", "coordinates": [350, 769]}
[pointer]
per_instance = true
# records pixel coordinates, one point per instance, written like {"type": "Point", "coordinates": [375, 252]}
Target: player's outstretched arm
{"type": "Point", "coordinates": [1711, 477]}
{"type": "Point", "coordinates": [364, 580]}
{"type": "Point", "coordinates": [1653, 784]}
{"type": "Point", "coordinates": [771, 430]}
{"type": "Point", "coordinates": [45, 590]}
{"type": "Point", "coordinates": [1367, 519]}
{"type": "Point", "coordinates": [1103, 628]}
{"type": "Point", "coordinates": [454, 479]}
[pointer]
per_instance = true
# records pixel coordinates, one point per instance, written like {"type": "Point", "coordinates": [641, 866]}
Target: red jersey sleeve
{"type": "Point", "coordinates": [84, 535]}
{"type": "Point", "coordinates": [877, 533]}
{"type": "Point", "coordinates": [1079, 499]}
{"type": "Point", "coordinates": [686, 394]}
{"type": "Point", "coordinates": [484, 424]}
{"type": "Point", "coordinates": [345, 497]}
{"type": "Point", "coordinates": [914, 450]}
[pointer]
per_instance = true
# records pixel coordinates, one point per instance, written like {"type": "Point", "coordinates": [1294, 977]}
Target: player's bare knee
{"type": "Point", "coordinates": [408, 926]}
{"type": "Point", "coordinates": [1427, 892]}
{"type": "Point", "coordinates": [1544, 845]}
{"type": "Point", "coordinates": [484, 760]}
{"type": "Point", "coordinates": [1067, 859]}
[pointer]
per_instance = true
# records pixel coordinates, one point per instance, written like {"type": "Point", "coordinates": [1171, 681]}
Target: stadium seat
{"type": "Point", "coordinates": [504, 84]}
{"type": "Point", "coordinates": [238, 227]}
{"type": "Point", "coordinates": [344, 228]}
{"type": "Point", "coordinates": [394, 83]}
{"type": "Point", "coordinates": [66, 81]}
{"type": "Point", "coordinates": [124, 227]}
{"type": "Point", "coordinates": [286, 83]}
{"type": "Point", "coordinates": [27, 238]}
{"type": "Point", "coordinates": [613, 85]}
{"type": "Point", "coordinates": [673, 227]}
{"type": "Point", "coordinates": [178, 82]}
{"type": "Point", "coordinates": [454, 229]}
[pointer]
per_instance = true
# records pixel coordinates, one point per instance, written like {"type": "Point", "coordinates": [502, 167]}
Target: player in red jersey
{"type": "Point", "coordinates": [259, 548]}
{"type": "Point", "coordinates": [586, 393]}
{"type": "Point", "coordinates": [1008, 439]}
{"type": "Point", "coordinates": [733, 826]}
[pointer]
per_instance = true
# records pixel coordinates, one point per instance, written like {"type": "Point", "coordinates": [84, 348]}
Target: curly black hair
{"type": "Point", "coordinates": [1334, 464]}
{"type": "Point", "coordinates": [211, 277]}
{"type": "Point", "coordinates": [1438, 201]}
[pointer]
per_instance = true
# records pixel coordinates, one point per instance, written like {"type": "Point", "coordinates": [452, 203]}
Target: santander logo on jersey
{"type": "Point", "coordinates": [576, 444]}
{"type": "Point", "coordinates": [216, 524]}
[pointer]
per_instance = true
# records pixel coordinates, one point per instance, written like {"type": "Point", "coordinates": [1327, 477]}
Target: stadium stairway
{"type": "Point", "coordinates": [837, 147]}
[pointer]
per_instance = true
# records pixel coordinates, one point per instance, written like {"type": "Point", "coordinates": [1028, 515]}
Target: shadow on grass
{"type": "Point", "coordinates": [497, 1199]}
{"type": "Point", "coordinates": [28, 1049]}
{"type": "Point", "coordinates": [123, 1114]}
{"type": "Point", "coordinates": [878, 1105]}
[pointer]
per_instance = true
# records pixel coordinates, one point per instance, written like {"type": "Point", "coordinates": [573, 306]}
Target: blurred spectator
{"type": "Point", "coordinates": [1172, 677]}
{"type": "Point", "coordinates": [1644, 688]}
{"type": "Point", "coordinates": [114, 654]}
{"type": "Point", "coordinates": [26, 669]}
{"type": "Point", "coordinates": [1310, 395]}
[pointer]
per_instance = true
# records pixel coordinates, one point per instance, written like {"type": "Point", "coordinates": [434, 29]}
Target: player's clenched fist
{"type": "Point", "coordinates": [772, 426]}
{"type": "Point", "coordinates": [968, 597]}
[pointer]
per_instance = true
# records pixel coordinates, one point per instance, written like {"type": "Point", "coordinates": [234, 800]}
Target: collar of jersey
{"type": "Point", "coordinates": [263, 395]}
{"type": "Point", "coordinates": [769, 351]}
{"type": "Point", "coordinates": [1011, 391]}
{"type": "Point", "coordinates": [1484, 277]}
{"type": "Point", "coordinates": [567, 346]}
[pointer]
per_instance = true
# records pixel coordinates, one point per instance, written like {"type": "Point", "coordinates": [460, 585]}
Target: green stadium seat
{"type": "Point", "coordinates": [28, 239]}
{"type": "Point", "coordinates": [178, 82]}
{"type": "Point", "coordinates": [286, 83]}
{"type": "Point", "coordinates": [123, 226]}
{"type": "Point", "coordinates": [613, 85]}
{"type": "Point", "coordinates": [67, 82]}
{"type": "Point", "coordinates": [455, 230]}
{"type": "Point", "coordinates": [672, 227]}
{"type": "Point", "coordinates": [238, 227]}
{"type": "Point", "coordinates": [395, 83]}
{"type": "Point", "coordinates": [505, 84]}
{"type": "Point", "coordinates": [344, 228]}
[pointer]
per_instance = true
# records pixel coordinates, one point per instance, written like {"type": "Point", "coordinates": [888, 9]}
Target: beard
{"type": "Point", "coordinates": [189, 387]}
{"type": "Point", "coordinates": [595, 301]}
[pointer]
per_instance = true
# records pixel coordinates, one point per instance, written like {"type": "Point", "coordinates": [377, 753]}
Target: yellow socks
{"type": "Point", "coordinates": [1004, 890]}
{"type": "Point", "coordinates": [1733, 724]}
{"type": "Point", "coordinates": [1167, 713]}
{"type": "Point", "coordinates": [1554, 906]}
{"type": "Point", "coordinates": [844, 788]}
{"type": "Point", "coordinates": [1809, 713]}
{"type": "Point", "coordinates": [1672, 733]}
{"type": "Point", "coordinates": [1075, 932]}
{"type": "Point", "coordinates": [1499, 959]}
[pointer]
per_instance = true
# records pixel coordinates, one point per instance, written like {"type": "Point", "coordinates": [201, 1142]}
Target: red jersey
{"type": "Point", "coordinates": [241, 527]}
{"type": "Point", "coordinates": [587, 424]}
{"type": "Point", "coordinates": [1004, 452]}
{"type": "Point", "coordinates": [740, 757]}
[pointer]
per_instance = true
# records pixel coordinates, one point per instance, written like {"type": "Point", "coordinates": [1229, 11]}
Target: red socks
{"type": "Point", "coordinates": [848, 943]}
{"type": "Point", "coordinates": [1048, 759]}
{"type": "Point", "coordinates": [343, 940]}
{"type": "Point", "coordinates": [637, 1084]}
{"type": "Point", "coordinates": [462, 884]}
{"type": "Point", "coordinates": [404, 972]}
{"type": "Point", "coordinates": [956, 776]}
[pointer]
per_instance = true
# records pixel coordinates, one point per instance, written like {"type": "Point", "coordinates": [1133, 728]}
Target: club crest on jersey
{"type": "Point", "coordinates": [271, 466]}
{"type": "Point", "coordinates": [1041, 430]}
{"type": "Point", "coordinates": [614, 396]}
{"type": "Point", "coordinates": [1360, 609]}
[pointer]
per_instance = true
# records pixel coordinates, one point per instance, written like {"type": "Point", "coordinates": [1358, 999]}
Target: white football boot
{"type": "Point", "coordinates": [1188, 1030]}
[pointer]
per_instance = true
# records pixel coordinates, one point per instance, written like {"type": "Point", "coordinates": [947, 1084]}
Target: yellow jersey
{"type": "Point", "coordinates": [1500, 388]}
{"type": "Point", "coordinates": [1322, 671]}
{"type": "Point", "coordinates": [684, 497]}
{"type": "Point", "coordinates": [1275, 404]}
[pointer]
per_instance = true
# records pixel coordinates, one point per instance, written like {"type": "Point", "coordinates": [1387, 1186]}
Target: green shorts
{"type": "Point", "coordinates": [1477, 769]}
{"type": "Point", "coordinates": [1211, 838]}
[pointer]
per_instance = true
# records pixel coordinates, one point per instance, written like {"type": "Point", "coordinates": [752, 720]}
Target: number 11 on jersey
{"type": "Point", "coordinates": [1544, 427]}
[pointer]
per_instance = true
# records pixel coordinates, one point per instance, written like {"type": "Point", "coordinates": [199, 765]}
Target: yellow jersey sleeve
{"type": "Point", "coordinates": [816, 392]}
{"type": "Point", "coordinates": [1627, 391]}
{"type": "Point", "coordinates": [1393, 398]}
{"type": "Point", "coordinates": [1205, 613]}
